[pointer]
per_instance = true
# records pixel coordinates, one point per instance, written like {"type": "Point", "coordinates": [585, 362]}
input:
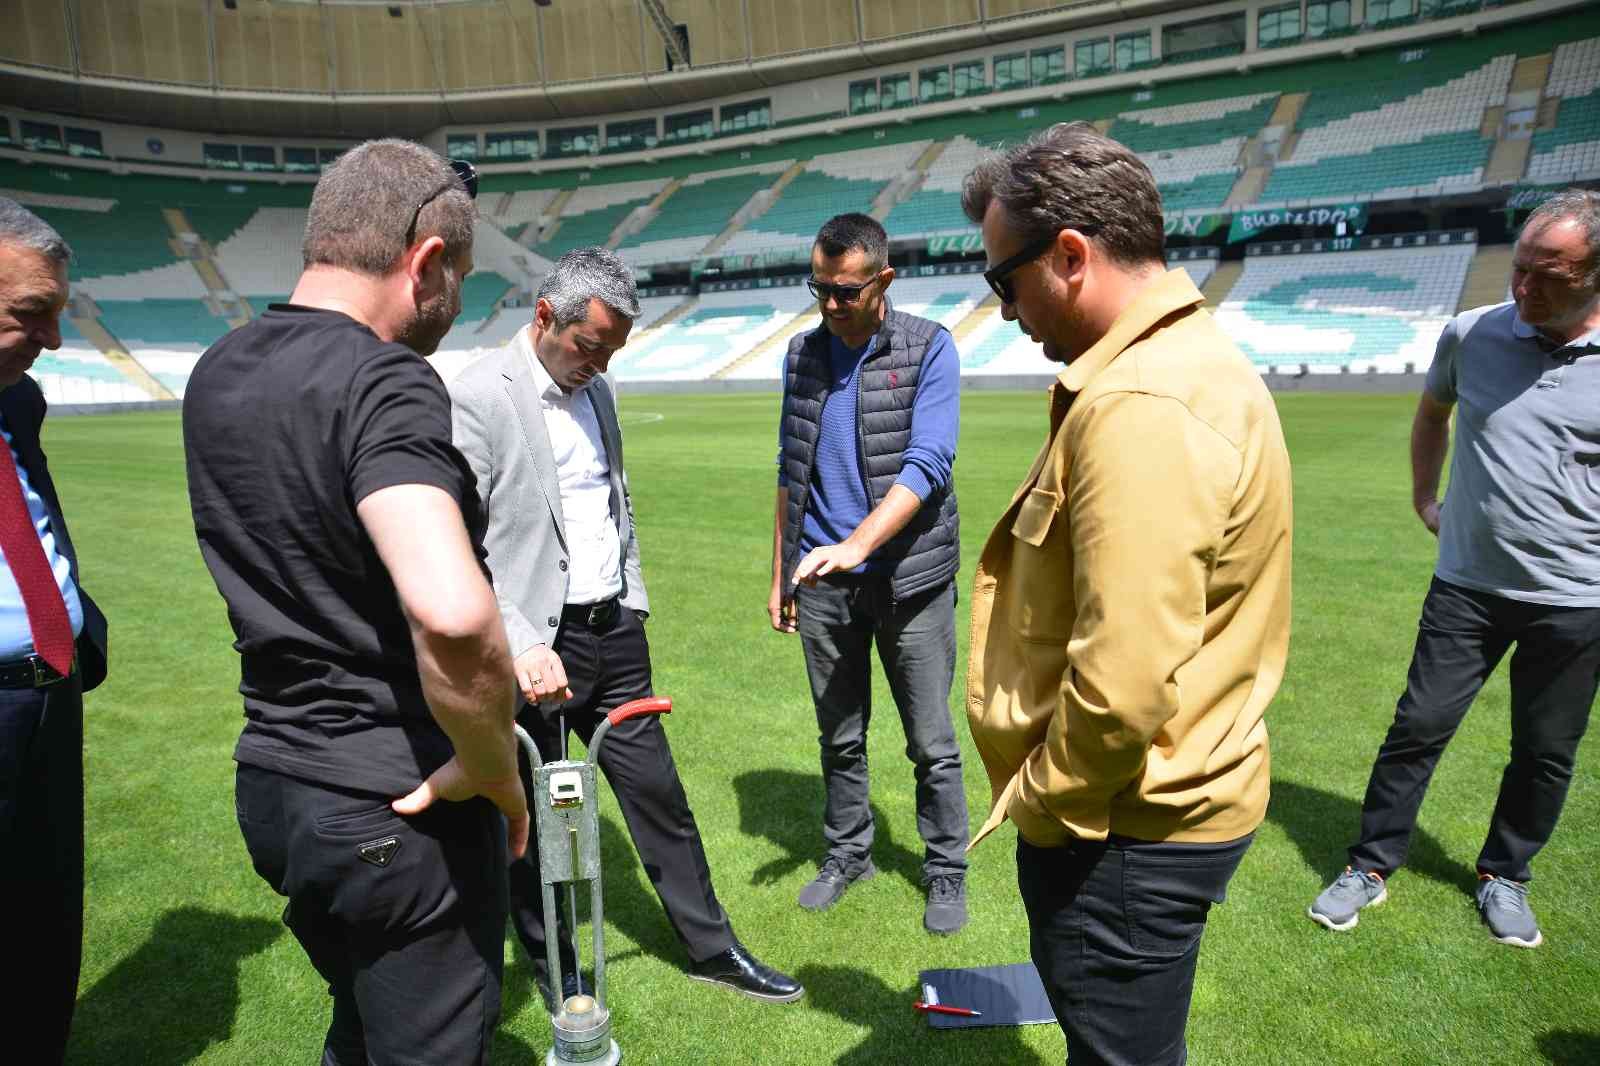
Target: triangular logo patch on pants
{"type": "Point", "coordinates": [379, 852]}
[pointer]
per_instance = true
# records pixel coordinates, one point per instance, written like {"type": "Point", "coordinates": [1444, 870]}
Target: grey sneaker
{"type": "Point", "coordinates": [946, 910]}
{"type": "Point", "coordinates": [831, 881]}
{"type": "Point", "coordinates": [1504, 907]}
{"type": "Point", "coordinates": [1339, 906]}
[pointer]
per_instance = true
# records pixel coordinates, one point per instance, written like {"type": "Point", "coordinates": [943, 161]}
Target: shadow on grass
{"type": "Point", "coordinates": [1323, 825]}
{"type": "Point", "coordinates": [1564, 1047]}
{"type": "Point", "coordinates": [896, 1033]}
{"type": "Point", "coordinates": [190, 965]}
{"type": "Point", "coordinates": [785, 807]}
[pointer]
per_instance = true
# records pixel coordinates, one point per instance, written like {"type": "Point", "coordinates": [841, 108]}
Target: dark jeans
{"type": "Point", "coordinates": [1115, 931]}
{"type": "Point", "coordinates": [839, 619]}
{"type": "Point", "coordinates": [1462, 636]}
{"type": "Point", "coordinates": [41, 862]}
{"type": "Point", "coordinates": [412, 950]}
{"type": "Point", "coordinates": [607, 666]}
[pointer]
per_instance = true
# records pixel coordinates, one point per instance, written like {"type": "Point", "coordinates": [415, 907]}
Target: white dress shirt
{"type": "Point", "coordinates": [584, 473]}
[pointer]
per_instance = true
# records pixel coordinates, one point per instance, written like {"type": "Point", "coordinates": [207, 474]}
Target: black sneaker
{"type": "Point", "coordinates": [831, 881]}
{"type": "Point", "coordinates": [946, 910]}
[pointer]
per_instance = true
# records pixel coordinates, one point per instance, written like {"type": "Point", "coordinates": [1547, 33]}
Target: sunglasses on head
{"type": "Point", "coordinates": [999, 275]}
{"type": "Point", "coordinates": [465, 176]}
{"type": "Point", "coordinates": [845, 294]}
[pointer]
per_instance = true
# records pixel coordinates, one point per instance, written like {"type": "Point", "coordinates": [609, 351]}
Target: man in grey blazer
{"type": "Point", "coordinates": [538, 424]}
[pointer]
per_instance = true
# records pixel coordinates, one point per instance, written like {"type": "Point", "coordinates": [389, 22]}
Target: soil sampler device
{"type": "Point", "coordinates": [565, 802]}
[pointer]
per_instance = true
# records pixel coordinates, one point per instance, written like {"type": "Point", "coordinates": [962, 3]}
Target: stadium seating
{"type": "Point", "coordinates": [947, 300]}
{"type": "Point", "coordinates": [1200, 270]}
{"type": "Point", "coordinates": [831, 183]}
{"type": "Point", "coordinates": [1412, 135]}
{"type": "Point", "coordinates": [161, 323]}
{"type": "Point", "coordinates": [1345, 311]}
{"type": "Point", "coordinates": [76, 373]}
{"type": "Point", "coordinates": [592, 212]}
{"type": "Point", "coordinates": [1571, 150]}
{"type": "Point", "coordinates": [124, 240]}
{"type": "Point", "coordinates": [935, 206]}
{"type": "Point", "coordinates": [720, 328]}
{"type": "Point", "coordinates": [1193, 149]}
{"type": "Point", "coordinates": [262, 257]}
{"type": "Point", "coordinates": [524, 206]}
{"type": "Point", "coordinates": [697, 212]}
{"type": "Point", "coordinates": [480, 296]}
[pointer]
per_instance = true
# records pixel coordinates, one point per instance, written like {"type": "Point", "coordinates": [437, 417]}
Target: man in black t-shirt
{"type": "Point", "coordinates": [343, 530]}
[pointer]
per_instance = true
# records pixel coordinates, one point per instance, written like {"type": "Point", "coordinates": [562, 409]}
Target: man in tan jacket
{"type": "Point", "coordinates": [1130, 618]}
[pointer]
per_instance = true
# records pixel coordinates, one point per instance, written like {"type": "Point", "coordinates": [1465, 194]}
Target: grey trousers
{"type": "Point", "coordinates": [839, 619]}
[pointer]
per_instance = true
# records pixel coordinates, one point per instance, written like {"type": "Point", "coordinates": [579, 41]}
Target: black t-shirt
{"type": "Point", "coordinates": [288, 423]}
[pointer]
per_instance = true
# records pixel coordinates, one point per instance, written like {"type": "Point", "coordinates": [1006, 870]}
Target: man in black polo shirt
{"type": "Point", "coordinates": [344, 532]}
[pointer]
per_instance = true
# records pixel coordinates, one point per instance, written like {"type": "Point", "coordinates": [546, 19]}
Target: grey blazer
{"type": "Point", "coordinates": [498, 425]}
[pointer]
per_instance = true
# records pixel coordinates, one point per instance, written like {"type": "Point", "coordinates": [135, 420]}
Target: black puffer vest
{"type": "Point", "coordinates": [927, 552]}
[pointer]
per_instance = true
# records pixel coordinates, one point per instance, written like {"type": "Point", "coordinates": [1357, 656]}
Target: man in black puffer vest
{"type": "Point", "coordinates": [865, 449]}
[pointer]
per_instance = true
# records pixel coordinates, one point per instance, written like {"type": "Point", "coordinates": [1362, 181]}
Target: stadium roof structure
{"type": "Point", "coordinates": [338, 67]}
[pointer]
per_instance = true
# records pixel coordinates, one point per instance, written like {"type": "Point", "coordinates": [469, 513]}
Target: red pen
{"type": "Point", "coordinates": [940, 1008]}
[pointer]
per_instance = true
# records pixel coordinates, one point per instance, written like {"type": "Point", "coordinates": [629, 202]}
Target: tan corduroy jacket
{"type": "Point", "coordinates": [1130, 619]}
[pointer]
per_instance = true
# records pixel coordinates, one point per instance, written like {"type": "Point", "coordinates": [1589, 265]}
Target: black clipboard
{"type": "Point", "coordinates": [1006, 995]}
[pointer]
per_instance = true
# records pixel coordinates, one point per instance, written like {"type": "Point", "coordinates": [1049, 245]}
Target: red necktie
{"type": "Point", "coordinates": [41, 596]}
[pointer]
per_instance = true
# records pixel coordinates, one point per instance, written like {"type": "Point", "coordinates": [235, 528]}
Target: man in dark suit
{"type": "Point", "coordinates": [538, 424]}
{"type": "Point", "coordinates": [52, 650]}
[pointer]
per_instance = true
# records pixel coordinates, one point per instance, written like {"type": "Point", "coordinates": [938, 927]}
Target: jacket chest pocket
{"type": "Point", "coordinates": [1039, 592]}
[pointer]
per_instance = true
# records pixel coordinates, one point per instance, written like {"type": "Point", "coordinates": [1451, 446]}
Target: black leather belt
{"type": "Point", "coordinates": [602, 615]}
{"type": "Point", "coordinates": [32, 672]}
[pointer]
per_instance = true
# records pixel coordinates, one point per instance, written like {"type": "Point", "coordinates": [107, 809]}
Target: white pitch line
{"type": "Point", "coordinates": [643, 418]}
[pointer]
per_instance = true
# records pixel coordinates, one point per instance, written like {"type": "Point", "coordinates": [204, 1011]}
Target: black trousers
{"type": "Point", "coordinates": [1462, 636]}
{"type": "Point", "coordinates": [41, 862]}
{"type": "Point", "coordinates": [607, 666]}
{"type": "Point", "coordinates": [412, 949]}
{"type": "Point", "coordinates": [1115, 930]}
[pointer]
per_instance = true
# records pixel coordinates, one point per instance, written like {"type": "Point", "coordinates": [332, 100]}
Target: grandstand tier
{"type": "Point", "coordinates": [165, 264]}
{"type": "Point", "coordinates": [1345, 311]}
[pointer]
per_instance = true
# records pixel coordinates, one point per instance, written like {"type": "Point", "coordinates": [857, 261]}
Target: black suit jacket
{"type": "Point", "coordinates": [23, 407]}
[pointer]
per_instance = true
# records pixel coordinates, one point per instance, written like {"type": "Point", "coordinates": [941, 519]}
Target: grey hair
{"type": "Point", "coordinates": [18, 225]}
{"type": "Point", "coordinates": [585, 274]}
{"type": "Point", "coordinates": [1577, 205]}
{"type": "Point", "coordinates": [363, 204]}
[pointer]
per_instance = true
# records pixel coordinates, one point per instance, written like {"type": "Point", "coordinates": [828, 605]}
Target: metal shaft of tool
{"type": "Point", "coordinates": [596, 897]}
{"type": "Point", "coordinates": [572, 904]}
{"type": "Point", "coordinates": [597, 913]}
{"type": "Point", "coordinates": [552, 951]}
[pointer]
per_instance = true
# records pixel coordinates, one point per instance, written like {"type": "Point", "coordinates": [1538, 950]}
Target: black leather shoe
{"type": "Point", "coordinates": [743, 972]}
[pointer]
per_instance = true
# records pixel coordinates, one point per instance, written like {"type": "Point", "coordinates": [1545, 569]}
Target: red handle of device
{"type": "Point", "coordinates": [634, 708]}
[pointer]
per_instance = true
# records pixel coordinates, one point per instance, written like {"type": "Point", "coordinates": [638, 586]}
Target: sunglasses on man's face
{"type": "Point", "coordinates": [845, 294]}
{"type": "Point", "coordinates": [465, 177]}
{"type": "Point", "coordinates": [999, 276]}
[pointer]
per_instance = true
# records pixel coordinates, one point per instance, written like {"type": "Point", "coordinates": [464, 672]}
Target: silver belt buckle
{"type": "Point", "coordinates": [43, 673]}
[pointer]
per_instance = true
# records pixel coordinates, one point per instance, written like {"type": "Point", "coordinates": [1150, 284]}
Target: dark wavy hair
{"type": "Point", "coordinates": [1072, 175]}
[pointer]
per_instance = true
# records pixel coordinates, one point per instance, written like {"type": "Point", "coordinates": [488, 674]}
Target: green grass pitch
{"type": "Point", "coordinates": [186, 961]}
